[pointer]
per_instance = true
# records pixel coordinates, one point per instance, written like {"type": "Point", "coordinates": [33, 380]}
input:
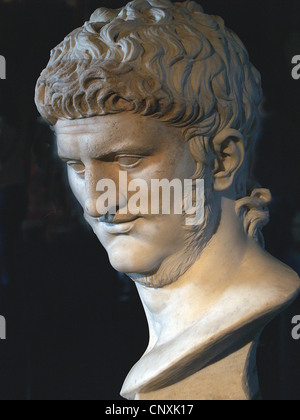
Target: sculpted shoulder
{"type": "Point", "coordinates": [278, 283]}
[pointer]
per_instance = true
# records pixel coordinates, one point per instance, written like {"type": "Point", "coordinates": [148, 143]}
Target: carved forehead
{"type": "Point", "coordinates": [102, 135]}
{"type": "Point", "coordinates": [99, 137]}
{"type": "Point", "coordinates": [79, 126]}
{"type": "Point", "coordinates": [124, 122]}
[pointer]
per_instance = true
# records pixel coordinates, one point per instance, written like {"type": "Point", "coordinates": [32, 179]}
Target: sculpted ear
{"type": "Point", "coordinates": [229, 149]}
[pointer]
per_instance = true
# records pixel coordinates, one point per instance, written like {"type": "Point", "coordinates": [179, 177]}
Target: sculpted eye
{"type": "Point", "coordinates": [129, 161]}
{"type": "Point", "coordinates": [78, 167]}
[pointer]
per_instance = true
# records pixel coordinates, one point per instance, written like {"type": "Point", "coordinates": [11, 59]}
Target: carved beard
{"type": "Point", "coordinates": [196, 239]}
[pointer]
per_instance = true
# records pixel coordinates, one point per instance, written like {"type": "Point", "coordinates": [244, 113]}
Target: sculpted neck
{"type": "Point", "coordinates": [167, 310]}
{"type": "Point", "coordinates": [203, 325]}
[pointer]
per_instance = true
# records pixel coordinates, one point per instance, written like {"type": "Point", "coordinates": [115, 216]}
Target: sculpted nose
{"type": "Point", "coordinates": [94, 206]}
{"type": "Point", "coordinates": [91, 179]}
{"type": "Point", "coordinates": [91, 207]}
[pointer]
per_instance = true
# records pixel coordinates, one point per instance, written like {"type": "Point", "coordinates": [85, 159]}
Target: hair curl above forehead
{"type": "Point", "coordinates": [156, 58]}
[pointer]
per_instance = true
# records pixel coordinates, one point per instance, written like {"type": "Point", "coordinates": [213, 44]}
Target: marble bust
{"type": "Point", "coordinates": [161, 90]}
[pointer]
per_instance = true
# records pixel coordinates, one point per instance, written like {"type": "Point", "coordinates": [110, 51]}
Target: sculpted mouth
{"type": "Point", "coordinates": [113, 219]}
{"type": "Point", "coordinates": [117, 224]}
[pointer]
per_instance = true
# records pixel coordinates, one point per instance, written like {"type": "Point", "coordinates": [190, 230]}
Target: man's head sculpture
{"type": "Point", "coordinates": [174, 84]}
{"type": "Point", "coordinates": [171, 62]}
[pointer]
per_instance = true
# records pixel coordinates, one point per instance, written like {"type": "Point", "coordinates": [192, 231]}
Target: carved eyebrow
{"type": "Point", "coordinates": [110, 156]}
{"type": "Point", "coordinates": [65, 159]}
{"type": "Point", "coordinates": [134, 151]}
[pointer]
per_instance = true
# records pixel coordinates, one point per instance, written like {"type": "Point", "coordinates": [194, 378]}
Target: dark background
{"type": "Point", "coordinates": [75, 326]}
